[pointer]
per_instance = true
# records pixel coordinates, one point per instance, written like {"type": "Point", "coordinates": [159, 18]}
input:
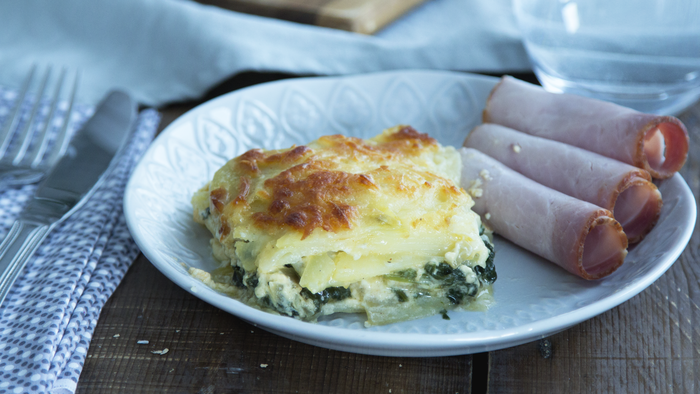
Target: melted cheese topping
{"type": "Point", "coordinates": [341, 210]}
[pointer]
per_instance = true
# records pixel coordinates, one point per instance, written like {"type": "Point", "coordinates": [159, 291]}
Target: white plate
{"type": "Point", "coordinates": [534, 298]}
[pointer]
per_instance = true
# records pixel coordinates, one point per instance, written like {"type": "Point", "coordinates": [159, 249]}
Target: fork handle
{"type": "Point", "coordinates": [19, 245]}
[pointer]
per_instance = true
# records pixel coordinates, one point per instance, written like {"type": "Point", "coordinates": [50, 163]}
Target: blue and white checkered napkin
{"type": "Point", "coordinates": [47, 319]}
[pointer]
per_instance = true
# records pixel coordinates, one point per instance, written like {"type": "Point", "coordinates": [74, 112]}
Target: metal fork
{"type": "Point", "coordinates": [25, 154]}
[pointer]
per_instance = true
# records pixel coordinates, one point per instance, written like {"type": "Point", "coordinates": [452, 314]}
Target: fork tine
{"type": "Point", "coordinates": [11, 122]}
{"type": "Point", "coordinates": [25, 135]}
{"type": "Point", "coordinates": [35, 156]}
{"type": "Point", "coordinates": [61, 142]}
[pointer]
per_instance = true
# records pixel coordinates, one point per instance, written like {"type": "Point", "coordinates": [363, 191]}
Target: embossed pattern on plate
{"type": "Point", "coordinates": [533, 297]}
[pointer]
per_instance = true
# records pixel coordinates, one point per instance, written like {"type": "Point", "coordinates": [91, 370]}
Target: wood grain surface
{"type": "Point", "coordinates": [359, 16]}
{"type": "Point", "coordinates": [649, 344]}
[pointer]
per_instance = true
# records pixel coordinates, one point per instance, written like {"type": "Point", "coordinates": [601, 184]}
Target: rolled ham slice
{"type": "Point", "coordinates": [580, 237]}
{"type": "Point", "coordinates": [625, 190]}
{"type": "Point", "coordinates": [658, 144]}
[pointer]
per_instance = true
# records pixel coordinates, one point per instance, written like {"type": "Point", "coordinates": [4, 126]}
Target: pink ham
{"type": "Point", "coordinates": [580, 237]}
{"type": "Point", "coordinates": [658, 144]}
{"type": "Point", "coordinates": [625, 190]}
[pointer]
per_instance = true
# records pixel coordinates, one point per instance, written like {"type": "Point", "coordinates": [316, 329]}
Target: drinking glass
{"type": "Point", "coordinates": [643, 54]}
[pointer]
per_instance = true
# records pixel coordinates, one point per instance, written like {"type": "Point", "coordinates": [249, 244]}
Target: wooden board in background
{"type": "Point", "coordinates": [359, 16]}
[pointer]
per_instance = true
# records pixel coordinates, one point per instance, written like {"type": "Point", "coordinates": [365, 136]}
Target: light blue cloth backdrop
{"type": "Point", "coordinates": [163, 51]}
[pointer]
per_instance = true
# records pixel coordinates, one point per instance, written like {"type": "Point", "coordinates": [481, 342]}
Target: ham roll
{"type": "Point", "coordinates": [625, 190]}
{"type": "Point", "coordinates": [582, 238]}
{"type": "Point", "coordinates": [657, 144]}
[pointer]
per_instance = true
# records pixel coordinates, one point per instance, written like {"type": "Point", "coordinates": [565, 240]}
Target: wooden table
{"type": "Point", "coordinates": [651, 343]}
